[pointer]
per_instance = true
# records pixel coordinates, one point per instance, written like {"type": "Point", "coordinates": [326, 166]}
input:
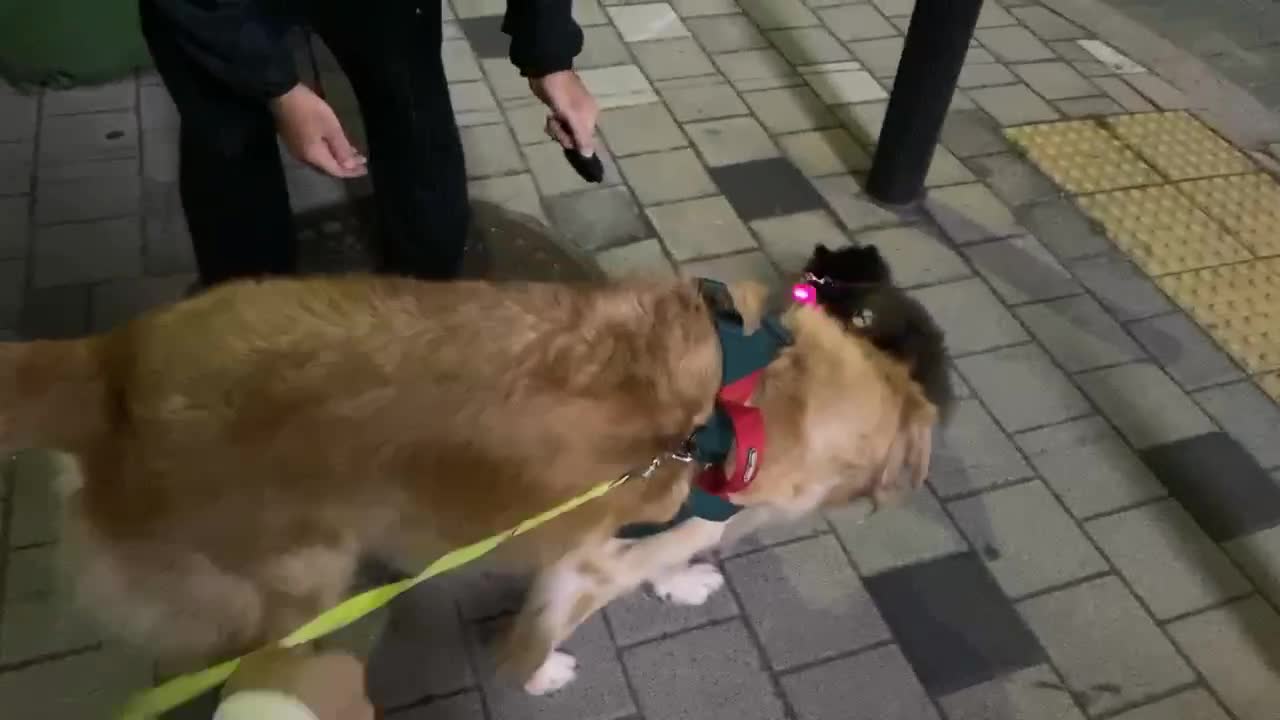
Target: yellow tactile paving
{"type": "Point", "coordinates": [1162, 230]}
{"type": "Point", "coordinates": [1178, 145]}
{"type": "Point", "coordinates": [1082, 157]}
{"type": "Point", "coordinates": [1239, 305]}
{"type": "Point", "coordinates": [1271, 385]}
{"type": "Point", "coordinates": [1246, 205]}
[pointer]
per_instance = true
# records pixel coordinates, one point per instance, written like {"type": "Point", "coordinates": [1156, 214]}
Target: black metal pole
{"type": "Point", "coordinates": [937, 42]}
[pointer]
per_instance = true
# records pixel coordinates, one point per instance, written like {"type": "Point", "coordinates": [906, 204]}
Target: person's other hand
{"type": "Point", "coordinates": [331, 685]}
{"type": "Point", "coordinates": [573, 110]}
{"type": "Point", "coordinates": [313, 133]}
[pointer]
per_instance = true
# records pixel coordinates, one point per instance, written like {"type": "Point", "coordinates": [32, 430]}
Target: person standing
{"type": "Point", "coordinates": [230, 71]}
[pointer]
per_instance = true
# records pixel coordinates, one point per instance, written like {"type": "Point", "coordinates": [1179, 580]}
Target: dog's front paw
{"type": "Point", "coordinates": [558, 670]}
{"type": "Point", "coordinates": [693, 585]}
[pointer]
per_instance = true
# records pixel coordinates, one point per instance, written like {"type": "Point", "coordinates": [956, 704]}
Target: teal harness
{"type": "Point", "coordinates": [733, 426]}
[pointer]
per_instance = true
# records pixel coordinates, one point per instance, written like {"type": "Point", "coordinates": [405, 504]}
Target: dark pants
{"type": "Point", "coordinates": [231, 179]}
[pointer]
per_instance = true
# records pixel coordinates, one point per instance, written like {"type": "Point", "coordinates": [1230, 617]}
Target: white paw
{"type": "Point", "coordinates": [690, 586]}
{"type": "Point", "coordinates": [558, 670]}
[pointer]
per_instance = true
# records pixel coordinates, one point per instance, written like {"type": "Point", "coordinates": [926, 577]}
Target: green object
{"type": "Point", "coordinates": [68, 43]}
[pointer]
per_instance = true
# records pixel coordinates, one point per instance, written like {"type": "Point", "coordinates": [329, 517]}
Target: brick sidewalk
{"type": "Point", "coordinates": [1101, 534]}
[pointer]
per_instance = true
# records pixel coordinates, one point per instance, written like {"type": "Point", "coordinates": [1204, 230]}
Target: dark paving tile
{"type": "Point", "coordinates": [600, 218]}
{"type": "Point", "coordinates": [1219, 483]}
{"type": "Point", "coordinates": [953, 623]}
{"type": "Point", "coordinates": [486, 36]}
{"type": "Point", "coordinates": [421, 651]}
{"type": "Point", "coordinates": [466, 706]}
{"type": "Point", "coordinates": [1060, 225]}
{"type": "Point", "coordinates": [166, 244]}
{"type": "Point", "coordinates": [54, 313]}
{"type": "Point", "coordinates": [766, 188]}
{"type": "Point", "coordinates": [710, 674]}
{"type": "Point", "coordinates": [641, 616]}
{"type": "Point", "coordinates": [875, 685]}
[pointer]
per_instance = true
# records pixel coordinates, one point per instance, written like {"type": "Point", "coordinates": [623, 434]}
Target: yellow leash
{"type": "Point", "coordinates": [163, 698]}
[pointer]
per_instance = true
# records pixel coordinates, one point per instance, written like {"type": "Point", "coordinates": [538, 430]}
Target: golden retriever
{"type": "Point", "coordinates": [231, 457]}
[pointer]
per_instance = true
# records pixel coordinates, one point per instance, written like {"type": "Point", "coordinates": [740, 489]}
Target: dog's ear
{"type": "Point", "coordinates": [906, 465]}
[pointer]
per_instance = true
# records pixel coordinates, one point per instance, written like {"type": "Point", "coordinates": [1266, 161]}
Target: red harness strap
{"type": "Point", "coordinates": [749, 440]}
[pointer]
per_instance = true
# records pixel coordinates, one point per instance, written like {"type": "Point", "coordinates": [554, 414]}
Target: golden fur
{"type": "Point", "coordinates": [239, 451]}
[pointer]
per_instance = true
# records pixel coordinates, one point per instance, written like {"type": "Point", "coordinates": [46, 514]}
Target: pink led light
{"type": "Point", "coordinates": [804, 293]}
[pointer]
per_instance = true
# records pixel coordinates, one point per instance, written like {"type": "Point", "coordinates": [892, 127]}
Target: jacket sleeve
{"type": "Point", "coordinates": [237, 41]}
{"type": "Point", "coordinates": [544, 36]}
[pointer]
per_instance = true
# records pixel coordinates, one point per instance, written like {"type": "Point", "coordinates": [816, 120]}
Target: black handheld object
{"type": "Point", "coordinates": [588, 167]}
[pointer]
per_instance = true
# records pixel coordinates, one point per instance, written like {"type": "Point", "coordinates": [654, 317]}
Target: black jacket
{"type": "Point", "coordinates": [243, 42]}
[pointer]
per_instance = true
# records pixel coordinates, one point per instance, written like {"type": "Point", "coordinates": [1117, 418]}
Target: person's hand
{"type": "Point", "coordinates": [573, 110]}
{"type": "Point", "coordinates": [313, 133]}
{"type": "Point", "coordinates": [331, 685]}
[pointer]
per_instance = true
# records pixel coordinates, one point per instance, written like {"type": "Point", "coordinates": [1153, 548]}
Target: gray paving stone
{"type": "Point", "coordinates": [916, 531]}
{"type": "Point", "coordinates": [421, 650]}
{"type": "Point", "coordinates": [985, 75]}
{"type": "Point", "coordinates": [473, 104]}
{"type": "Point", "coordinates": [790, 239]}
{"type": "Point", "coordinates": [1065, 230]}
{"type": "Point", "coordinates": [1013, 44]}
{"type": "Point", "coordinates": [946, 169]}
{"type": "Point", "coordinates": [647, 21]}
{"type": "Point", "coordinates": [1021, 270]}
{"type": "Point", "coordinates": [820, 153]}
{"type": "Point", "coordinates": [81, 686]}
{"type": "Point", "coordinates": [1195, 704]}
{"type": "Point", "coordinates": [641, 129]}
{"type": "Point", "coordinates": [668, 176]}
{"type": "Point", "coordinates": [676, 58]}
{"type": "Point", "coordinates": [777, 533]}
{"type": "Point", "coordinates": [969, 213]}
{"type": "Point", "coordinates": [707, 97]}
{"type": "Point", "coordinates": [879, 56]}
{"type": "Point", "coordinates": [772, 14]}
{"type": "Point", "coordinates": [81, 138]}
{"type": "Point", "coordinates": [516, 193]}
{"type": "Point", "coordinates": [731, 140]}
{"type": "Point", "coordinates": [598, 219]}
{"type": "Point", "coordinates": [156, 108]}
{"type": "Point", "coordinates": [160, 155]}
{"type": "Point", "coordinates": [95, 198]}
{"type": "Point", "coordinates": [555, 176]}
{"type": "Point", "coordinates": [699, 228]}
{"type": "Point", "coordinates": [642, 259]}
{"type": "Point", "coordinates": [1032, 694]}
{"type": "Point", "coordinates": [953, 623]}
{"type": "Point", "coordinates": [1048, 25]}
{"type": "Point", "coordinates": [13, 280]}
{"type": "Point", "coordinates": [34, 628]}
{"type": "Point", "coordinates": [1013, 179]}
{"type": "Point", "coordinates": [598, 693]}
{"type": "Point", "coordinates": [864, 120]}
{"type": "Point", "coordinates": [1088, 107]}
{"type": "Point", "coordinates": [118, 95]}
{"type": "Point", "coordinates": [854, 208]}
{"type": "Point", "coordinates": [916, 255]}
{"type": "Point", "coordinates": [1234, 648]}
{"type": "Point", "coordinates": [727, 33]}
{"type": "Point", "coordinates": [1258, 555]}
{"type": "Point", "coordinates": [602, 47]}
{"type": "Point", "coordinates": [971, 453]}
{"type": "Point", "coordinates": [808, 45]}
{"type": "Point", "coordinates": [55, 313]}
{"type": "Point", "coordinates": [1185, 351]}
{"type": "Point", "coordinates": [749, 266]}
{"type": "Point", "coordinates": [758, 69]}
{"type": "Point", "coordinates": [1025, 537]}
{"type": "Point", "coordinates": [16, 162]}
{"type": "Point", "coordinates": [640, 616]}
{"type": "Point", "coordinates": [1147, 407]}
{"type": "Point", "coordinates": [970, 316]}
{"type": "Point", "coordinates": [1055, 80]}
{"type": "Point", "coordinates": [1089, 467]}
{"type": "Point", "coordinates": [1121, 287]}
{"type": "Point", "coordinates": [18, 117]}
{"type": "Point", "coordinates": [467, 706]}
{"type": "Point", "coordinates": [118, 301]}
{"type": "Point", "coordinates": [968, 133]}
{"type": "Point", "coordinates": [876, 685]}
{"type": "Point", "coordinates": [992, 15]}
{"type": "Point", "coordinates": [1013, 104]}
{"type": "Point", "coordinates": [60, 259]}
{"type": "Point", "coordinates": [1022, 387]}
{"type": "Point", "coordinates": [894, 8]}
{"type": "Point", "coordinates": [851, 22]}
{"type": "Point", "coordinates": [1124, 94]}
{"type": "Point", "coordinates": [784, 110]}
{"type": "Point", "coordinates": [805, 602]}
{"type": "Point", "coordinates": [714, 673]}
{"type": "Point", "coordinates": [1079, 333]}
{"type": "Point", "coordinates": [1251, 417]}
{"type": "Point", "coordinates": [766, 188]}
{"type": "Point", "coordinates": [167, 246]}
{"type": "Point", "coordinates": [491, 151]}
{"type": "Point", "coordinates": [698, 8]}
{"type": "Point", "coordinates": [1168, 560]}
{"type": "Point", "coordinates": [1108, 650]}
{"type": "Point", "coordinates": [1158, 91]}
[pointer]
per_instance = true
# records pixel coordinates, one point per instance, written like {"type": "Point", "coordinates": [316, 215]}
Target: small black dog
{"type": "Point", "coordinates": [856, 285]}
